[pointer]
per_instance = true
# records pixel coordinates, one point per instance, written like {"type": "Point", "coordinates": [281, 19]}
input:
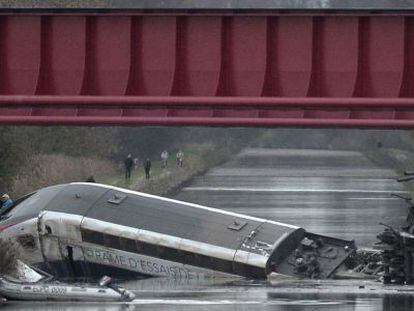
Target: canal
{"type": "Point", "coordinates": [338, 193]}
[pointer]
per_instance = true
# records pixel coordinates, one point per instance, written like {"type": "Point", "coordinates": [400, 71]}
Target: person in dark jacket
{"type": "Point", "coordinates": [5, 202]}
{"type": "Point", "coordinates": [129, 162]}
{"type": "Point", "coordinates": [90, 179]}
{"type": "Point", "coordinates": [147, 167]}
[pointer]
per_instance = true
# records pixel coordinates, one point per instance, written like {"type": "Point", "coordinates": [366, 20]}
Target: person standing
{"type": "Point", "coordinates": [180, 158]}
{"type": "Point", "coordinates": [5, 201]}
{"type": "Point", "coordinates": [164, 158]}
{"type": "Point", "coordinates": [128, 166]}
{"type": "Point", "coordinates": [147, 167]}
{"type": "Point", "coordinates": [91, 178]}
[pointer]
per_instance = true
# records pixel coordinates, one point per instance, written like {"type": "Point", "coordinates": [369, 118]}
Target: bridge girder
{"type": "Point", "coordinates": [353, 69]}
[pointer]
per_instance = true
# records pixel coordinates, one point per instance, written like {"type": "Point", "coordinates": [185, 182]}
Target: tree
{"type": "Point", "coordinates": [11, 157]}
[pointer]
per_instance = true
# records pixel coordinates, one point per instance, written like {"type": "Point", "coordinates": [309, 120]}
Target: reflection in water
{"type": "Point", "coordinates": [273, 302]}
{"type": "Point", "coordinates": [398, 303]}
{"type": "Point", "coordinates": [297, 302]}
{"type": "Point", "coordinates": [286, 295]}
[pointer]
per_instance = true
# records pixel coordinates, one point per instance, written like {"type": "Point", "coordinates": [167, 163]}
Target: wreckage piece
{"type": "Point", "coordinates": [316, 257]}
{"type": "Point", "coordinates": [398, 256]}
{"type": "Point", "coordinates": [397, 246]}
{"type": "Point", "coordinates": [88, 230]}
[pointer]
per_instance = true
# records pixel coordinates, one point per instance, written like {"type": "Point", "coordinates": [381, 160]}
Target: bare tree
{"type": "Point", "coordinates": [7, 257]}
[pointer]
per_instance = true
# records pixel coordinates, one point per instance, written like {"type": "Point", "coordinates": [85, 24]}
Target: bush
{"type": "Point", "coordinates": [46, 170]}
{"type": "Point", "coordinates": [7, 257]}
{"type": "Point", "coordinates": [11, 157]}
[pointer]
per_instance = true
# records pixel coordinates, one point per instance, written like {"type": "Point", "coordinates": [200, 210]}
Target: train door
{"type": "Point", "coordinates": [60, 244]}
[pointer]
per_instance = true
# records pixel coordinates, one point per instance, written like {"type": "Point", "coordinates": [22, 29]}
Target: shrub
{"type": "Point", "coordinates": [7, 257]}
{"type": "Point", "coordinates": [50, 169]}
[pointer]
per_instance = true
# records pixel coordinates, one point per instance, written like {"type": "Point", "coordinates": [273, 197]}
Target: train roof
{"type": "Point", "coordinates": [111, 205]}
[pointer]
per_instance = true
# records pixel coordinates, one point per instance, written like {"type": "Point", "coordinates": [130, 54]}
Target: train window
{"type": "Point", "coordinates": [30, 205]}
{"type": "Point", "coordinates": [127, 245]}
{"type": "Point", "coordinates": [112, 241]}
{"type": "Point", "coordinates": [92, 237]}
{"type": "Point", "coordinates": [3, 212]}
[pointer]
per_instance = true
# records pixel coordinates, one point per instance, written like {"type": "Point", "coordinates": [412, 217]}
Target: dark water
{"type": "Point", "coordinates": [336, 193]}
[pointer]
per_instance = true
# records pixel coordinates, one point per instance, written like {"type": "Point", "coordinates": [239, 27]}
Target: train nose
{"type": "Point", "coordinates": [5, 226]}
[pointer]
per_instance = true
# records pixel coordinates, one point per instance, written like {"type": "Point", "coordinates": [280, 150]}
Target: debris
{"type": "Point", "coordinates": [398, 250]}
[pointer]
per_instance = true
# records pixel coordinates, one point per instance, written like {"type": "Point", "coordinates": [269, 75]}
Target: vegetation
{"type": "Point", "coordinates": [338, 139]}
{"type": "Point", "coordinates": [48, 169]}
{"type": "Point", "coordinates": [34, 157]}
{"type": "Point", "coordinates": [11, 157]}
{"type": "Point", "coordinates": [198, 158]}
{"type": "Point", "coordinates": [7, 257]}
{"type": "Point", "coordinates": [23, 153]}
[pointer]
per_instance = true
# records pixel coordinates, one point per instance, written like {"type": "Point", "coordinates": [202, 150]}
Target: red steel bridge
{"type": "Point", "coordinates": [214, 66]}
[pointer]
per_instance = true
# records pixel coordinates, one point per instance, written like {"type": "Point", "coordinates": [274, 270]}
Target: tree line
{"type": "Point", "coordinates": [24, 147]}
{"type": "Point", "coordinates": [27, 150]}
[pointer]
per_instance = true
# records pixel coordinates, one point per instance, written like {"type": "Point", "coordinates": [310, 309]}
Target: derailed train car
{"type": "Point", "coordinates": [88, 230]}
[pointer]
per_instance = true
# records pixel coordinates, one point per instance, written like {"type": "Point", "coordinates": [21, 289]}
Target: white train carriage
{"type": "Point", "coordinates": [90, 230]}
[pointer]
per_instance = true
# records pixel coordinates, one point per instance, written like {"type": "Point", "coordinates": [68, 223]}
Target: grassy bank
{"type": "Point", "coordinates": [197, 159]}
{"type": "Point", "coordinates": [397, 159]}
{"type": "Point", "coordinates": [51, 169]}
{"type": "Point", "coordinates": [45, 170]}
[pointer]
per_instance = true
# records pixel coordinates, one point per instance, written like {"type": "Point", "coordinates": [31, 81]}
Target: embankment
{"type": "Point", "coordinates": [397, 159]}
{"type": "Point", "coordinates": [164, 181]}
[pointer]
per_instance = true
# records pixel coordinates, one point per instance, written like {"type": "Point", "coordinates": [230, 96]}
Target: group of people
{"type": "Point", "coordinates": [130, 162]}
{"type": "Point", "coordinates": [179, 156]}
